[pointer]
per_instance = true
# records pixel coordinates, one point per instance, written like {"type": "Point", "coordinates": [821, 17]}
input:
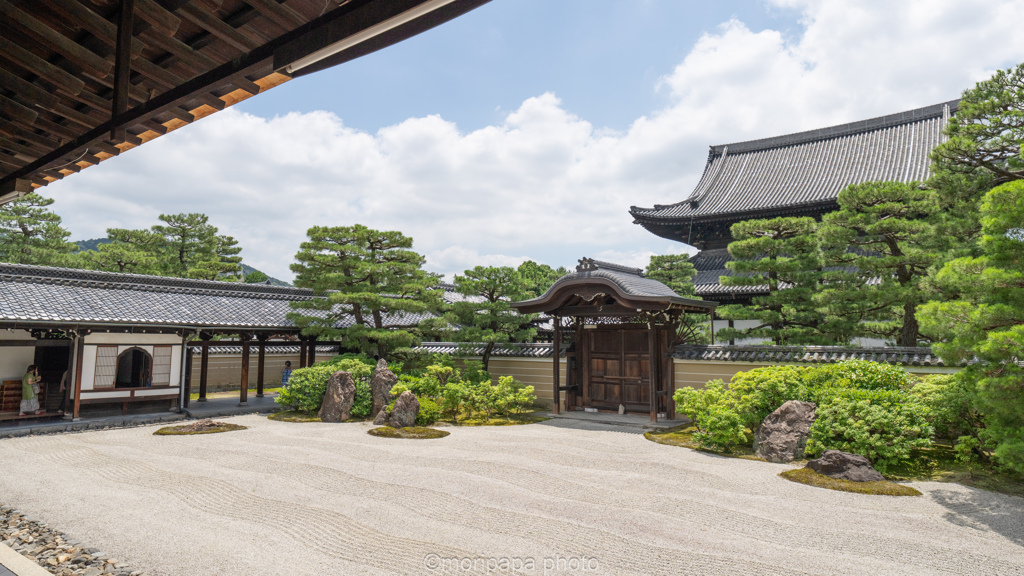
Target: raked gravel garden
{"type": "Point", "coordinates": [548, 498]}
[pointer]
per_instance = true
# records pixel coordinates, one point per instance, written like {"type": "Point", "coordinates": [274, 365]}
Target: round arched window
{"type": "Point", "coordinates": [134, 369]}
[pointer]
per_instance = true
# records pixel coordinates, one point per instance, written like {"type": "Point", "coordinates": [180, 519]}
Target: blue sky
{"type": "Point", "coordinates": [527, 128]}
{"type": "Point", "coordinates": [603, 58]}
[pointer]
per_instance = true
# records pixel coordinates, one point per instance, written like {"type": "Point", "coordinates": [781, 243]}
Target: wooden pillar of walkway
{"type": "Point", "coordinates": [261, 347]}
{"type": "Point", "coordinates": [312, 351]}
{"type": "Point", "coordinates": [243, 394]}
{"type": "Point", "coordinates": [302, 352]}
{"type": "Point", "coordinates": [204, 365]}
{"type": "Point", "coordinates": [556, 388]}
{"type": "Point", "coordinates": [654, 361]}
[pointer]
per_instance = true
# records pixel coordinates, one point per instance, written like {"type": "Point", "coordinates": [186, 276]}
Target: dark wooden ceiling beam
{"type": "Point", "coordinates": [156, 16]}
{"type": "Point", "coordinates": [279, 14]}
{"type": "Point", "coordinates": [26, 151]}
{"type": "Point", "coordinates": [50, 72]}
{"type": "Point", "coordinates": [33, 140]}
{"type": "Point", "coordinates": [154, 126]}
{"type": "Point", "coordinates": [16, 111]}
{"type": "Point", "coordinates": [211, 100]}
{"type": "Point", "coordinates": [217, 27]}
{"type": "Point", "coordinates": [31, 92]}
{"type": "Point", "coordinates": [73, 51]}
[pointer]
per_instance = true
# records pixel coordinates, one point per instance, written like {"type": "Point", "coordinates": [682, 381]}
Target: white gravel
{"type": "Point", "coordinates": [296, 499]}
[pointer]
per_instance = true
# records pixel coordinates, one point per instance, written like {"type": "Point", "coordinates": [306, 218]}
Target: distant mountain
{"type": "Point", "coordinates": [94, 244]}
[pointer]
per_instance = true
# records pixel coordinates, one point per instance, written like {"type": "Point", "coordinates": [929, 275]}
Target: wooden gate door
{"type": "Point", "coordinates": [619, 368]}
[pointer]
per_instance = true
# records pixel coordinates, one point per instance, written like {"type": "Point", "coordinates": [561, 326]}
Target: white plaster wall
{"type": "Point", "coordinates": [15, 335]}
{"type": "Point", "coordinates": [132, 339]}
{"type": "Point", "coordinates": [88, 367]}
{"type": "Point", "coordinates": [14, 360]}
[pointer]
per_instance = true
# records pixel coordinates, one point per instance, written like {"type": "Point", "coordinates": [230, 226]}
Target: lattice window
{"type": "Point", "coordinates": [106, 367]}
{"type": "Point", "coordinates": [161, 366]}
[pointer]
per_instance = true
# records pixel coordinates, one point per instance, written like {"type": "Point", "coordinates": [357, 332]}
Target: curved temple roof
{"type": "Point", "coordinates": [807, 169]}
{"type": "Point", "coordinates": [627, 285]}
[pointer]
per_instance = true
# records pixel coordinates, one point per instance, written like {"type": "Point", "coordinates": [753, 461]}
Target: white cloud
{"type": "Point", "coordinates": [546, 184]}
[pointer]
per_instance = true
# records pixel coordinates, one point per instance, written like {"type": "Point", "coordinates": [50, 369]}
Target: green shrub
{"type": "Point", "coordinates": [857, 374]}
{"type": "Point", "coordinates": [951, 405]}
{"type": "Point", "coordinates": [306, 388]}
{"type": "Point", "coordinates": [429, 412]}
{"type": "Point", "coordinates": [453, 397]}
{"type": "Point", "coordinates": [759, 392]}
{"type": "Point", "coordinates": [882, 425]}
{"type": "Point", "coordinates": [718, 423]}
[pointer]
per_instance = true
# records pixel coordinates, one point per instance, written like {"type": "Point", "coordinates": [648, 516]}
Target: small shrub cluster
{"type": "Point", "coordinates": [863, 407]}
{"type": "Point", "coordinates": [306, 388]}
{"type": "Point", "coordinates": [447, 392]}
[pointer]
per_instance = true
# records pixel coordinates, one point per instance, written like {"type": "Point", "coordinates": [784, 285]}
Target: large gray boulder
{"type": "Point", "coordinates": [404, 413]}
{"type": "Point", "coordinates": [382, 417]}
{"type": "Point", "coordinates": [845, 466]}
{"type": "Point", "coordinates": [380, 386]}
{"type": "Point", "coordinates": [339, 397]}
{"type": "Point", "coordinates": [782, 436]}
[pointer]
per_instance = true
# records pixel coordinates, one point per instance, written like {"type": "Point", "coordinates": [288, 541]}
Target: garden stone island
{"type": "Point", "coordinates": [339, 397]}
{"type": "Point", "coordinates": [845, 466]}
{"type": "Point", "coordinates": [782, 436]}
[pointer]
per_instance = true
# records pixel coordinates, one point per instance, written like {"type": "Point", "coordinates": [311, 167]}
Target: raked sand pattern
{"type": "Point", "coordinates": [550, 498]}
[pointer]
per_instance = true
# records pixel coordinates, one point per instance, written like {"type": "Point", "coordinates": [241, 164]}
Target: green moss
{"type": "Point", "coordinates": [683, 436]}
{"type": "Point", "coordinates": [412, 432]}
{"type": "Point", "coordinates": [938, 463]}
{"type": "Point", "coordinates": [513, 420]}
{"type": "Point", "coordinates": [190, 429]}
{"type": "Point", "coordinates": [882, 488]}
{"type": "Point", "coordinates": [293, 416]}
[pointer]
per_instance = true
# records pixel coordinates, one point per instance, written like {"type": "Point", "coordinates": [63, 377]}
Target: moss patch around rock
{"type": "Point", "coordinates": [200, 427]}
{"type": "Point", "coordinates": [683, 436]}
{"type": "Point", "coordinates": [413, 432]}
{"type": "Point", "coordinates": [883, 488]}
{"type": "Point", "coordinates": [293, 416]}
{"type": "Point", "coordinates": [510, 421]}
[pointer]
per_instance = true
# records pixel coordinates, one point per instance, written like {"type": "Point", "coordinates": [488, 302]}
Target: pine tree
{"type": "Point", "coordinates": [487, 315]}
{"type": "Point", "coordinates": [675, 271]}
{"type": "Point", "coordinates": [130, 251]}
{"type": "Point", "coordinates": [987, 321]}
{"type": "Point", "coordinates": [538, 277]}
{"type": "Point", "coordinates": [370, 280]}
{"type": "Point", "coordinates": [882, 244]}
{"type": "Point", "coordinates": [782, 256]}
{"type": "Point", "coordinates": [256, 277]}
{"type": "Point", "coordinates": [30, 233]}
{"type": "Point", "coordinates": [190, 241]}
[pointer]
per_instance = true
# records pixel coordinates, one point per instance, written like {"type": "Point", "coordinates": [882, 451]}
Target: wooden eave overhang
{"type": "Point", "coordinates": [80, 84]}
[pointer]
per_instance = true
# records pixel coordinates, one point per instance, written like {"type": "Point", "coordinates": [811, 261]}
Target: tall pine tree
{"type": "Point", "coordinates": [487, 315]}
{"type": "Point", "coordinates": [370, 280]}
{"type": "Point", "coordinates": [31, 233]}
{"type": "Point", "coordinates": [883, 244]}
{"type": "Point", "coordinates": [782, 256]}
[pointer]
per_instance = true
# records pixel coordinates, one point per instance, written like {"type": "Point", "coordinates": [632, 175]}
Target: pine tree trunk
{"type": "Point", "coordinates": [909, 332]}
{"type": "Point", "coordinates": [487, 354]}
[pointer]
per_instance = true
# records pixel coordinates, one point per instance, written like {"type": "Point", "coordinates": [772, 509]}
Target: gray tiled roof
{"type": "Point", "coordinates": [507, 350]}
{"type": "Point", "coordinates": [809, 168]}
{"type": "Point", "coordinates": [631, 281]}
{"type": "Point", "coordinates": [234, 350]}
{"type": "Point", "coordinates": [807, 354]}
{"type": "Point", "coordinates": [65, 296]}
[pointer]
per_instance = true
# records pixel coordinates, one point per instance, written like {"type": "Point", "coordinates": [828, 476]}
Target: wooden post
{"type": "Point", "coordinates": [260, 363]}
{"type": "Point", "coordinates": [122, 65]}
{"type": "Point", "coordinates": [204, 366]}
{"type": "Point", "coordinates": [712, 315]}
{"type": "Point", "coordinates": [557, 345]}
{"type": "Point", "coordinates": [243, 394]}
{"type": "Point", "coordinates": [312, 351]}
{"type": "Point", "coordinates": [302, 352]}
{"type": "Point", "coordinates": [78, 376]}
{"type": "Point", "coordinates": [653, 362]}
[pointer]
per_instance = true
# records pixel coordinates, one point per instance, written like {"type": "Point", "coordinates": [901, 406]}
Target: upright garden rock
{"type": "Point", "coordinates": [380, 386]}
{"type": "Point", "coordinates": [382, 417]}
{"type": "Point", "coordinates": [405, 410]}
{"type": "Point", "coordinates": [782, 436]}
{"type": "Point", "coordinates": [845, 466]}
{"type": "Point", "coordinates": [339, 397]}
